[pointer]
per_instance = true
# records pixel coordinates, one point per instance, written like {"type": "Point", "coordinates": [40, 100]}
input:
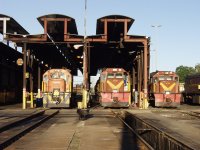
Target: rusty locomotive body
{"type": "Point", "coordinates": [192, 89]}
{"type": "Point", "coordinates": [164, 89]}
{"type": "Point", "coordinates": [57, 88]}
{"type": "Point", "coordinates": [114, 88]}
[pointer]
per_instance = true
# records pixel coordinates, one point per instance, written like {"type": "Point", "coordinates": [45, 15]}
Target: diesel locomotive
{"type": "Point", "coordinates": [114, 88]}
{"type": "Point", "coordinates": [57, 88]}
{"type": "Point", "coordinates": [164, 89]}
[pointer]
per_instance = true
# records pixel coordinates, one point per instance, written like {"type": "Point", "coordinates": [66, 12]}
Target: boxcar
{"type": "Point", "coordinates": [192, 89]}
{"type": "Point", "coordinates": [57, 88]}
{"type": "Point", "coordinates": [164, 89]}
{"type": "Point", "coordinates": [114, 88]}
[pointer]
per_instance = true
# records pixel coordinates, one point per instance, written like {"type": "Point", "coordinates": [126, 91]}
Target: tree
{"type": "Point", "coordinates": [183, 71]}
{"type": "Point", "coordinates": [197, 68]}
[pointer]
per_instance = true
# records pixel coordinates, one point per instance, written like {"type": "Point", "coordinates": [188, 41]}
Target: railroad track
{"type": "Point", "coordinates": [193, 114]}
{"type": "Point", "coordinates": [150, 136]}
{"type": "Point", "coordinates": [140, 141]}
{"type": "Point", "coordinates": [13, 131]}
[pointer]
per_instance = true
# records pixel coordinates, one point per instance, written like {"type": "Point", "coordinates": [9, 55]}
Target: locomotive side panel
{"type": "Point", "coordinates": [192, 89]}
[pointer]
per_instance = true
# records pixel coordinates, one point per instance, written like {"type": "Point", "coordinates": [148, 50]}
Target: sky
{"type": "Point", "coordinates": [175, 43]}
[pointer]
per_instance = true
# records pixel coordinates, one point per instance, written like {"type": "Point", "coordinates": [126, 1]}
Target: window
{"type": "Point", "coordinates": [118, 75]}
{"type": "Point", "coordinates": [169, 78]}
{"type": "Point", "coordinates": [110, 75]}
{"type": "Point", "coordinates": [45, 78]}
{"type": "Point", "coordinates": [161, 78]}
{"type": "Point", "coordinates": [103, 77]}
{"type": "Point", "coordinates": [63, 76]}
{"type": "Point", "coordinates": [54, 75]}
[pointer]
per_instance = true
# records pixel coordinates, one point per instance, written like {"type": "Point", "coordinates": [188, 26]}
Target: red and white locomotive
{"type": "Point", "coordinates": [164, 89]}
{"type": "Point", "coordinates": [114, 88]}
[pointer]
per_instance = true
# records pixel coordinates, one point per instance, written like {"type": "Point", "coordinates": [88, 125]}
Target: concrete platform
{"type": "Point", "coordinates": [175, 122]}
{"type": "Point", "coordinates": [65, 131]}
{"type": "Point", "coordinates": [12, 113]}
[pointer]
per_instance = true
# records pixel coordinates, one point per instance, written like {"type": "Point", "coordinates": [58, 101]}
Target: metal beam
{"type": "Point", "coordinates": [24, 76]}
{"type": "Point", "coordinates": [116, 20]}
{"type": "Point", "coordinates": [145, 76]}
{"type": "Point", "coordinates": [4, 19]}
{"type": "Point", "coordinates": [56, 19]}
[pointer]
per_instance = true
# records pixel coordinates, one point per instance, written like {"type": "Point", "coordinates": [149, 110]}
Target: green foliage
{"type": "Point", "coordinates": [183, 71]}
{"type": "Point", "coordinates": [197, 68]}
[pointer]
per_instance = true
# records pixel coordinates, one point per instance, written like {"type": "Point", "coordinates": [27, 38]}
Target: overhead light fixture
{"type": "Point", "coordinates": [77, 46]}
{"type": "Point", "coordinates": [131, 52]}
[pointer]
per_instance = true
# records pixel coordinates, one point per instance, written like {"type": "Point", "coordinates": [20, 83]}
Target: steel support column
{"type": "Point", "coordinates": [133, 84]}
{"type": "Point", "coordinates": [140, 81]}
{"type": "Point", "coordinates": [39, 75]}
{"type": "Point", "coordinates": [24, 76]}
{"type": "Point", "coordinates": [139, 77]}
{"type": "Point", "coordinates": [145, 76]}
{"type": "Point", "coordinates": [30, 64]}
{"type": "Point", "coordinates": [4, 19]}
{"type": "Point", "coordinates": [85, 76]}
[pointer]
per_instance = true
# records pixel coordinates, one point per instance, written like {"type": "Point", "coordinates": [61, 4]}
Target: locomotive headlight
{"type": "Point", "coordinates": [115, 91]}
{"type": "Point", "coordinates": [167, 92]}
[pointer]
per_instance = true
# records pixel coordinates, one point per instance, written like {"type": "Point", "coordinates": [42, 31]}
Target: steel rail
{"type": "Point", "coordinates": [32, 125]}
{"type": "Point", "coordinates": [170, 137]}
{"type": "Point", "coordinates": [133, 131]}
{"type": "Point", "coordinates": [11, 124]}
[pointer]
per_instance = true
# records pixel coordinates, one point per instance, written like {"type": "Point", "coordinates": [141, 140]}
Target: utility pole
{"type": "Point", "coordinates": [156, 46]}
{"type": "Point", "coordinates": [82, 107]}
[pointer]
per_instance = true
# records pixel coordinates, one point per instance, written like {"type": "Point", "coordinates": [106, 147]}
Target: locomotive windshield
{"type": "Point", "coordinates": [110, 75]}
{"type": "Point", "coordinates": [118, 75]}
{"type": "Point", "coordinates": [115, 75]}
{"type": "Point", "coordinates": [54, 75]}
{"type": "Point", "coordinates": [58, 75]}
{"type": "Point", "coordinates": [169, 78]}
{"type": "Point", "coordinates": [63, 76]}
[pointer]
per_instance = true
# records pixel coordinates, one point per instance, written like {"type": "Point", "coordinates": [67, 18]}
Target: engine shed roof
{"type": "Point", "coordinates": [111, 47]}
{"type": "Point", "coordinates": [12, 26]}
{"type": "Point", "coordinates": [56, 23]}
{"type": "Point", "coordinates": [116, 19]}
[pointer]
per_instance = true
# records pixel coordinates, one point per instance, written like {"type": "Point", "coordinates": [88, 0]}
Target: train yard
{"type": "Point", "coordinates": [155, 128]}
{"type": "Point", "coordinates": [50, 114]}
